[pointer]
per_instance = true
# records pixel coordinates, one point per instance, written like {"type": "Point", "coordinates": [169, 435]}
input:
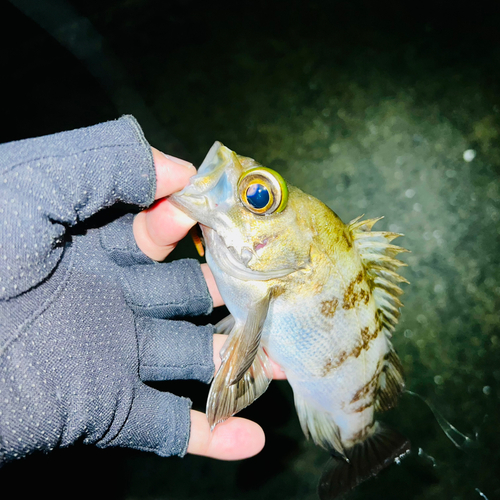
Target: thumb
{"type": "Point", "coordinates": [234, 439]}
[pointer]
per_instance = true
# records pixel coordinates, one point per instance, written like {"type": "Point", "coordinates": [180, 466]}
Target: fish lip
{"type": "Point", "coordinates": [194, 199]}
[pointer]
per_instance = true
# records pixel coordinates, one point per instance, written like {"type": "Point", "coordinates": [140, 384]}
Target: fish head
{"type": "Point", "coordinates": [252, 220]}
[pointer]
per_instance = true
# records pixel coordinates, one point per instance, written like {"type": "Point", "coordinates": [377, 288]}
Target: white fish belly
{"type": "Point", "coordinates": [330, 363]}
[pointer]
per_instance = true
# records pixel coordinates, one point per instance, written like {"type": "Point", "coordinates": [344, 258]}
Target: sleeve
{"type": "Point", "coordinates": [50, 183]}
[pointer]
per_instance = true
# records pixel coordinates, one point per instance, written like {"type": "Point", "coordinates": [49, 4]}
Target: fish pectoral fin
{"type": "Point", "coordinates": [241, 347]}
{"type": "Point", "coordinates": [225, 400]}
{"type": "Point", "coordinates": [363, 460]}
{"type": "Point", "coordinates": [245, 371]}
{"type": "Point", "coordinates": [318, 425]}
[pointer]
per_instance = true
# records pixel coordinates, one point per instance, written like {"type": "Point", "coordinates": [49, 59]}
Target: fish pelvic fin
{"type": "Point", "coordinates": [363, 460]}
{"type": "Point", "coordinates": [318, 425]}
{"type": "Point", "coordinates": [379, 260]}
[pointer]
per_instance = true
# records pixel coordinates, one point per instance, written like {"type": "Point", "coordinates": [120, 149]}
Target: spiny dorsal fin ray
{"type": "Point", "coordinates": [370, 246]}
{"type": "Point", "coordinates": [378, 257]}
{"type": "Point", "coordinates": [362, 225]}
{"type": "Point", "coordinates": [388, 235]}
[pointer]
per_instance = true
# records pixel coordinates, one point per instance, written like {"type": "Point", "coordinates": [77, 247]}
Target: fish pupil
{"type": "Point", "coordinates": [257, 196]}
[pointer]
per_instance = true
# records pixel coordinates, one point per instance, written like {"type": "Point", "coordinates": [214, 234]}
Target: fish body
{"type": "Point", "coordinates": [317, 296]}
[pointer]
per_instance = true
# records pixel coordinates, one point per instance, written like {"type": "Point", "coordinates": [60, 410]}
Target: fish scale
{"type": "Point", "coordinates": [315, 295]}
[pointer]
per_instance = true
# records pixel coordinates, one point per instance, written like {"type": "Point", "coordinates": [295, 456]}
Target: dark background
{"type": "Point", "coordinates": [369, 106]}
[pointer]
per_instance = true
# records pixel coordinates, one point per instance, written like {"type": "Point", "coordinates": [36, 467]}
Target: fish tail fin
{"type": "Point", "coordinates": [363, 460]}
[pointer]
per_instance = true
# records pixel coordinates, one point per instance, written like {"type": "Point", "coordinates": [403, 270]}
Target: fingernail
{"type": "Point", "coordinates": [184, 163]}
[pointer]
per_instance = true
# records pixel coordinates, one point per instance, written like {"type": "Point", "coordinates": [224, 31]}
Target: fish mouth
{"type": "Point", "coordinates": [235, 263]}
{"type": "Point", "coordinates": [211, 189]}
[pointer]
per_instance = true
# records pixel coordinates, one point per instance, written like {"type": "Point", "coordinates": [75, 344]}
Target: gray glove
{"type": "Point", "coordinates": [82, 309]}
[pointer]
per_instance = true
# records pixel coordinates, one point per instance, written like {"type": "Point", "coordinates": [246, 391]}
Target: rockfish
{"type": "Point", "coordinates": [317, 296]}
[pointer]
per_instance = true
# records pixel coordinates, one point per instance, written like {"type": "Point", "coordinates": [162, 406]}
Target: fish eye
{"type": "Point", "coordinates": [263, 191]}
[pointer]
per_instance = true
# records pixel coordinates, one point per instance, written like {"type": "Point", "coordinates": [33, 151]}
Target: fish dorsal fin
{"type": "Point", "coordinates": [378, 257]}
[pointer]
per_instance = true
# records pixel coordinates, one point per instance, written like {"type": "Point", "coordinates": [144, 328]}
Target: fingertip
{"type": "Point", "coordinates": [238, 438]}
{"type": "Point", "coordinates": [235, 439]}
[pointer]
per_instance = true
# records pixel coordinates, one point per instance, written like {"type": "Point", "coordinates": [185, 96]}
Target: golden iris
{"type": "Point", "coordinates": [263, 191]}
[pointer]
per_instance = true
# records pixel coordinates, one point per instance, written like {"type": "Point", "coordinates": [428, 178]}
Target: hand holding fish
{"type": "Point", "coordinates": [87, 317]}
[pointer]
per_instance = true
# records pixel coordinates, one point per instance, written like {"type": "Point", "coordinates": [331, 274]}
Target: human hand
{"type": "Point", "coordinates": [87, 317]}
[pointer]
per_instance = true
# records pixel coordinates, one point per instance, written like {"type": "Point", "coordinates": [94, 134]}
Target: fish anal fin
{"type": "Point", "coordinates": [318, 425]}
{"type": "Point", "coordinates": [390, 382]}
{"type": "Point", "coordinates": [364, 460]}
{"type": "Point", "coordinates": [225, 400]}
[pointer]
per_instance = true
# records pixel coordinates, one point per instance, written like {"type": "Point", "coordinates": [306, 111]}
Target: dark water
{"type": "Point", "coordinates": [381, 108]}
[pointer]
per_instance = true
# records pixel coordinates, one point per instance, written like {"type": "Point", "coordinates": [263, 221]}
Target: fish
{"type": "Point", "coordinates": [317, 296]}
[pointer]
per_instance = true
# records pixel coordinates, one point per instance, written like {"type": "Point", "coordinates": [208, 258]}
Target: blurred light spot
{"type": "Point", "coordinates": [438, 288]}
{"type": "Point", "coordinates": [421, 319]}
{"type": "Point", "coordinates": [410, 193]}
{"type": "Point", "coordinates": [417, 207]}
{"type": "Point", "coordinates": [469, 155]}
{"type": "Point", "coordinates": [438, 380]}
{"type": "Point", "coordinates": [487, 390]}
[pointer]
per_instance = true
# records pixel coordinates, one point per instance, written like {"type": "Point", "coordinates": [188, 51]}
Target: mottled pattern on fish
{"type": "Point", "coordinates": [318, 296]}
